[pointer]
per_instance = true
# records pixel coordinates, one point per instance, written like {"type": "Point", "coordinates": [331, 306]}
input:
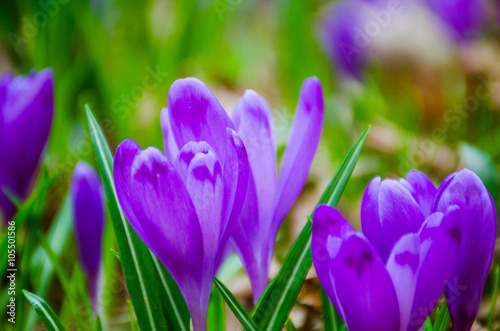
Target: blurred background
{"type": "Point", "coordinates": [425, 74]}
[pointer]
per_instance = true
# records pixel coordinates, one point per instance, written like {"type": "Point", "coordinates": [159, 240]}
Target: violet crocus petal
{"type": "Point", "coordinates": [196, 115]}
{"type": "Point", "coordinates": [424, 190]}
{"type": "Point", "coordinates": [236, 177]}
{"type": "Point", "coordinates": [201, 172]}
{"type": "Point", "coordinates": [159, 209]}
{"type": "Point", "coordinates": [465, 288]}
{"type": "Point", "coordinates": [440, 238]}
{"type": "Point", "coordinates": [329, 229]}
{"type": "Point", "coordinates": [253, 120]}
{"type": "Point", "coordinates": [87, 203]}
{"type": "Point", "coordinates": [342, 38]}
{"type": "Point", "coordinates": [24, 100]}
{"type": "Point", "coordinates": [301, 148]}
{"type": "Point", "coordinates": [364, 287]}
{"type": "Point", "coordinates": [169, 144]}
{"type": "Point", "coordinates": [253, 249]}
{"type": "Point", "coordinates": [402, 265]}
{"type": "Point", "coordinates": [388, 212]}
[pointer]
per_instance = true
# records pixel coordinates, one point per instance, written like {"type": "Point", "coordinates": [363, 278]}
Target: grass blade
{"type": "Point", "coordinates": [274, 306]}
{"type": "Point", "coordinates": [442, 318]}
{"type": "Point", "coordinates": [43, 310]}
{"type": "Point", "coordinates": [238, 310]}
{"type": "Point", "coordinates": [58, 237]}
{"type": "Point", "coordinates": [137, 265]}
{"type": "Point", "coordinates": [176, 311]}
{"type": "Point", "coordinates": [216, 315]}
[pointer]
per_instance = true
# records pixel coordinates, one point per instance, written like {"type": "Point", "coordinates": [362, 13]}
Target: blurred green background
{"type": "Point", "coordinates": [120, 57]}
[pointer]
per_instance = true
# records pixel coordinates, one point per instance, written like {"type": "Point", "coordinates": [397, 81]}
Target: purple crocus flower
{"type": "Point", "coordinates": [26, 111]}
{"type": "Point", "coordinates": [392, 208]}
{"type": "Point", "coordinates": [184, 209]}
{"type": "Point", "coordinates": [465, 288]}
{"type": "Point", "coordinates": [342, 34]}
{"type": "Point", "coordinates": [373, 294]}
{"type": "Point", "coordinates": [88, 215]}
{"type": "Point", "coordinates": [268, 198]}
{"type": "Point", "coordinates": [466, 18]}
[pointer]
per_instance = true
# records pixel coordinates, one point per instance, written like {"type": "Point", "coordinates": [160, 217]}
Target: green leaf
{"type": "Point", "coordinates": [290, 326]}
{"type": "Point", "coordinates": [43, 310]}
{"type": "Point", "coordinates": [442, 318]}
{"type": "Point", "coordinates": [71, 291]}
{"type": "Point", "coordinates": [216, 315]}
{"type": "Point", "coordinates": [428, 324]}
{"type": "Point", "coordinates": [58, 237]}
{"type": "Point", "coordinates": [138, 269]}
{"type": "Point", "coordinates": [275, 304]}
{"type": "Point", "coordinates": [329, 313]}
{"type": "Point", "coordinates": [494, 296]}
{"type": "Point", "coordinates": [98, 324]}
{"type": "Point", "coordinates": [175, 308]}
{"type": "Point", "coordinates": [236, 307]}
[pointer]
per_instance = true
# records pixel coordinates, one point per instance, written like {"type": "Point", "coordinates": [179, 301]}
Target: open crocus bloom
{"type": "Point", "coordinates": [465, 288]}
{"type": "Point", "coordinates": [87, 203]}
{"type": "Point", "coordinates": [372, 294]}
{"type": "Point", "coordinates": [268, 198]}
{"type": "Point", "coordinates": [26, 111]}
{"type": "Point", "coordinates": [184, 209]}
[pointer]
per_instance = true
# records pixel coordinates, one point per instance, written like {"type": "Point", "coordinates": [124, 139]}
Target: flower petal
{"type": "Point", "coordinates": [201, 172]}
{"type": "Point", "coordinates": [25, 100]}
{"type": "Point", "coordinates": [253, 120]}
{"type": "Point", "coordinates": [424, 190]}
{"type": "Point", "coordinates": [364, 287]}
{"type": "Point", "coordinates": [403, 264]}
{"type": "Point", "coordinates": [329, 229]}
{"type": "Point", "coordinates": [475, 256]}
{"type": "Point", "coordinates": [440, 238]}
{"type": "Point", "coordinates": [159, 209]}
{"type": "Point", "coordinates": [169, 144]}
{"type": "Point", "coordinates": [301, 148]}
{"type": "Point", "coordinates": [235, 176]}
{"type": "Point", "coordinates": [396, 210]}
{"type": "Point", "coordinates": [196, 115]}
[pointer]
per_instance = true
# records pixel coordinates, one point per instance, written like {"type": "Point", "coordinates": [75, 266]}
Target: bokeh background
{"type": "Point", "coordinates": [432, 98]}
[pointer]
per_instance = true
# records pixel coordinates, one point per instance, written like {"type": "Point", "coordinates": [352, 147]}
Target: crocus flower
{"type": "Point", "coordinates": [26, 111]}
{"type": "Point", "coordinates": [184, 209]}
{"type": "Point", "coordinates": [342, 34]}
{"type": "Point", "coordinates": [88, 216]}
{"type": "Point", "coordinates": [268, 198]}
{"type": "Point", "coordinates": [466, 18]}
{"type": "Point", "coordinates": [372, 294]}
{"type": "Point", "coordinates": [387, 203]}
{"type": "Point", "coordinates": [465, 288]}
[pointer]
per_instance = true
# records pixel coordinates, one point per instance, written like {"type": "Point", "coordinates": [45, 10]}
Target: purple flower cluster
{"type": "Point", "coordinates": [348, 27]}
{"type": "Point", "coordinates": [416, 242]}
{"type": "Point", "coordinates": [216, 183]}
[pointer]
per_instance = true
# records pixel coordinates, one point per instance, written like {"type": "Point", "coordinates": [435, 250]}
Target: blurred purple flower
{"type": "Point", "coordinates": [268, 199]}
{"type": "Point", "coordinates": [26, 112]}
{"type": "Point", "coordinates": [464, 292]}
{"type": "Point", "coordinates": [466, 18]}
{"type": "Point", "coordinates": [184, 209]}
{"type": "Point", "coordinates": [88, 215]}
{"type": "Point", "coordinates": [372, 294]}
{"type": "Point", "coordinates": [341, 33]}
